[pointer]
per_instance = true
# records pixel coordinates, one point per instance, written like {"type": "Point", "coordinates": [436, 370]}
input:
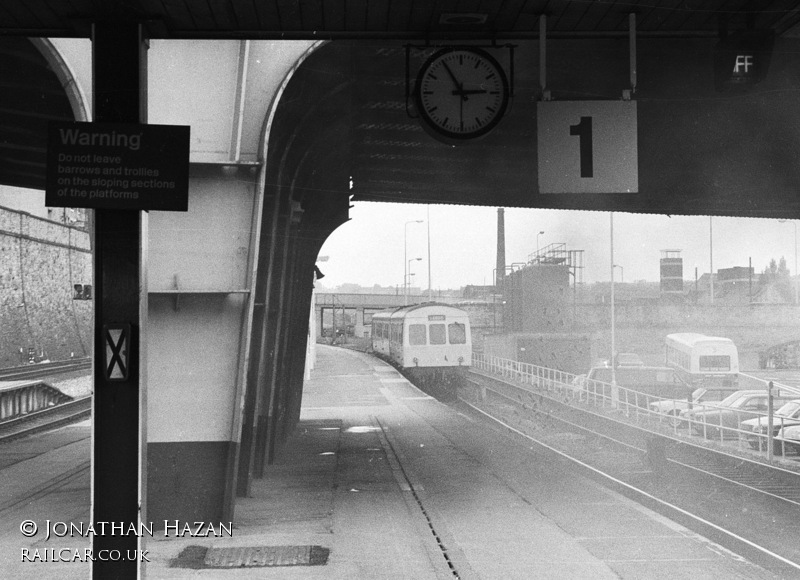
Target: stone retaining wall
{"type": "Point", "coordinates": [41, 261]}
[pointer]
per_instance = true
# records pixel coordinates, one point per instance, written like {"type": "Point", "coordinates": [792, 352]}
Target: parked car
{"type": "Point", "coordinates": [652, 381]}
{"type": "Point", "coordinates": [698, 400]}
{"type": "Point", "coordinates": [628, 359]}
{"type": "Point", "coordinates": [786, 416]}
{"type": "Point", "coordinates": [688, 413]}
{"type": "Point", "coordinates": [722, 420]}
{"type": "Point", "coordinates": [789, 439]}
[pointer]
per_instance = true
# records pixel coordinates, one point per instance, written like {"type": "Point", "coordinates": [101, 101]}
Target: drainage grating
{"type": "Point", "coordinates": [198, 557]}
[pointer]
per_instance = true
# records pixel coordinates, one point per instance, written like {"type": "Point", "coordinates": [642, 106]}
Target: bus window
{"type": "Point", "coordinates": [437, 333]}
{"type": "Point", "coordinates": [457, 332]}
{"type": "Point", "coordinates": [416, 334]}
{"type": "Point", "coordinates": [715, 363]}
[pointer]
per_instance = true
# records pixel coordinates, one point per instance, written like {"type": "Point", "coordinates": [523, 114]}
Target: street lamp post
{"type": "Point", "coordinates": [537, 245]}
{"type": "Point", "coordinates": [795, 262]}
{"type": "Point", "coordinates": [408, 276]}
{"type": "Point", "coordinates": [405, 259]}
{"type": "Point", "coordinates": [794, 223]}
{"type": "Point", "coordinates": [614, 389]}
{"type": "Point", "coordinates": [711, 258]}
{"type": "Point", "coordinates": [430, 292]}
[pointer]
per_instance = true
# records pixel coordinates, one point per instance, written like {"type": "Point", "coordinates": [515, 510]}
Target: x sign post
{"type": "Point", "coordinates": [117, 339]}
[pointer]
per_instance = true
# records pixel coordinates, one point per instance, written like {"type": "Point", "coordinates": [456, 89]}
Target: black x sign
{"type": "Point", "coordinates": [117, 345]}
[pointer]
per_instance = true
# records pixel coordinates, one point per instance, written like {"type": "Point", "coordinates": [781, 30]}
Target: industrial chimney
{"type": "Point", "coordinates": [500, 272]}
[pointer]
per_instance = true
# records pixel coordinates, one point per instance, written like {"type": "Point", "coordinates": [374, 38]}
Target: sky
{"type": "Point", "coordinates": [370, 248]}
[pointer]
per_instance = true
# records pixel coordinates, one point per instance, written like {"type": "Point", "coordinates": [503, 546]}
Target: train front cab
{"type": "Point", "coordinates": [436, 336]}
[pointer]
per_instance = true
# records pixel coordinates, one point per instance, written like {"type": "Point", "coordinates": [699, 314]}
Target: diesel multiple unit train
{"type": "Point", "coordinates": [430, 343]}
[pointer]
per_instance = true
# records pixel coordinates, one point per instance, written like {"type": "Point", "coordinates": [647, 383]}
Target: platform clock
{"type": "Point", "coordinates": [461, 93]}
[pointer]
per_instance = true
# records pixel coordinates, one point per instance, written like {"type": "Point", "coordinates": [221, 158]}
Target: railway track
{"type": "Point", "coordinates": [46, 419]}
{"type": "Point", "coordinates": [748, 507]}
{"type": "Point", "coordinates": [41, 370]}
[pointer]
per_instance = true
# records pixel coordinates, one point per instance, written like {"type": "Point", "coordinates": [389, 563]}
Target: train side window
{"type": "Point", "coordinates": [437, 332]}
{"type": "Point", "coordinates": [457, 332]}
{"type": "Point", "coordinates": [416, 334]}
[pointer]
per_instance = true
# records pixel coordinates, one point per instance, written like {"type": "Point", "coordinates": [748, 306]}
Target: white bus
{"type": "Point", "coordinates": [703, 361]}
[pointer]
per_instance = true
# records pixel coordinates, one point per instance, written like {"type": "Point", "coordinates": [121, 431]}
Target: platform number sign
{"type": "Point", "coordinates": [117, 339]}
{"type": "Point", "coordinates": [587, 147]}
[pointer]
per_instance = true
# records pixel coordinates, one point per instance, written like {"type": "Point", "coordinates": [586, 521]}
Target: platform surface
{"type": "Point", "coordinates": [382, 482]}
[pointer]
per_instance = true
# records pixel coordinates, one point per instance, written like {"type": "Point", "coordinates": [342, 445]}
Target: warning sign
{"type": "Point", "coordinates": [118, 166]}
{"type": "Point", "coordinates": [117, 347]}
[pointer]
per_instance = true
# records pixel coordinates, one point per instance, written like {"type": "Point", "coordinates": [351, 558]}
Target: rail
{"type": "Point", "coordinates": [569, 385]}
{"type": "Point", "coordinates": [706, 421]}
{"type": "Point", "coordinates": [749, 381]}
{"type": "Point", "coordinates": [46, 419]}
{"type": "Point", "coordinates": [44, 369]}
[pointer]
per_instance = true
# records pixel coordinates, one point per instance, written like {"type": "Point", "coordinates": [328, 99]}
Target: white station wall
{"type": "Point", "coordinates": [199, 271]}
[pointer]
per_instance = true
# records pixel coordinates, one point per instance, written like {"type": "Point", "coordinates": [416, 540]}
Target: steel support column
{"type": "Point", "coordinates": [268, 414]}
{"type": "Point", "coordinates": [119, 78]}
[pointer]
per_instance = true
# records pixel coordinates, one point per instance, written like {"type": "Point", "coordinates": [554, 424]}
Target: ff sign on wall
{"type": "Point", "coordinates": [587, 147]}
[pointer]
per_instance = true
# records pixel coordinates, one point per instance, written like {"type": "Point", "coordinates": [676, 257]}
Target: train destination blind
{"type": "Point", "coordinates": [117, 166]}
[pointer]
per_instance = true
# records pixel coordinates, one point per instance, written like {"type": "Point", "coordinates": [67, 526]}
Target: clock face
{"type": "Point", "coordinates": [461, 93]}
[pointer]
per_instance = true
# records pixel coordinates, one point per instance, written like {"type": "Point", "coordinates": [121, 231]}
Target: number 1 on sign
{"type": "Point", "coordinates": [583, 131]}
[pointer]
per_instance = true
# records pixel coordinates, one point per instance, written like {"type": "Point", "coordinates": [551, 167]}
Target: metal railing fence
{"type": "Point", "coordinates": [703, 420]}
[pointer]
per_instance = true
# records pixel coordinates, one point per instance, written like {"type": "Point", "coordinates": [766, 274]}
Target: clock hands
{"type": "Point", "coordinates": [464, 93]}
{"type": "Point", "coordinates": [458, 91]}
{"type": "Point", "coordinates": [452, 76]}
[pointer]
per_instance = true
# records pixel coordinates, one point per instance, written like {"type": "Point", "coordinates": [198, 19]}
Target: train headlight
{"type": "Point", "coordinates": [416, 361]}
{"type": "Point", "coordinates": [460, 360]}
